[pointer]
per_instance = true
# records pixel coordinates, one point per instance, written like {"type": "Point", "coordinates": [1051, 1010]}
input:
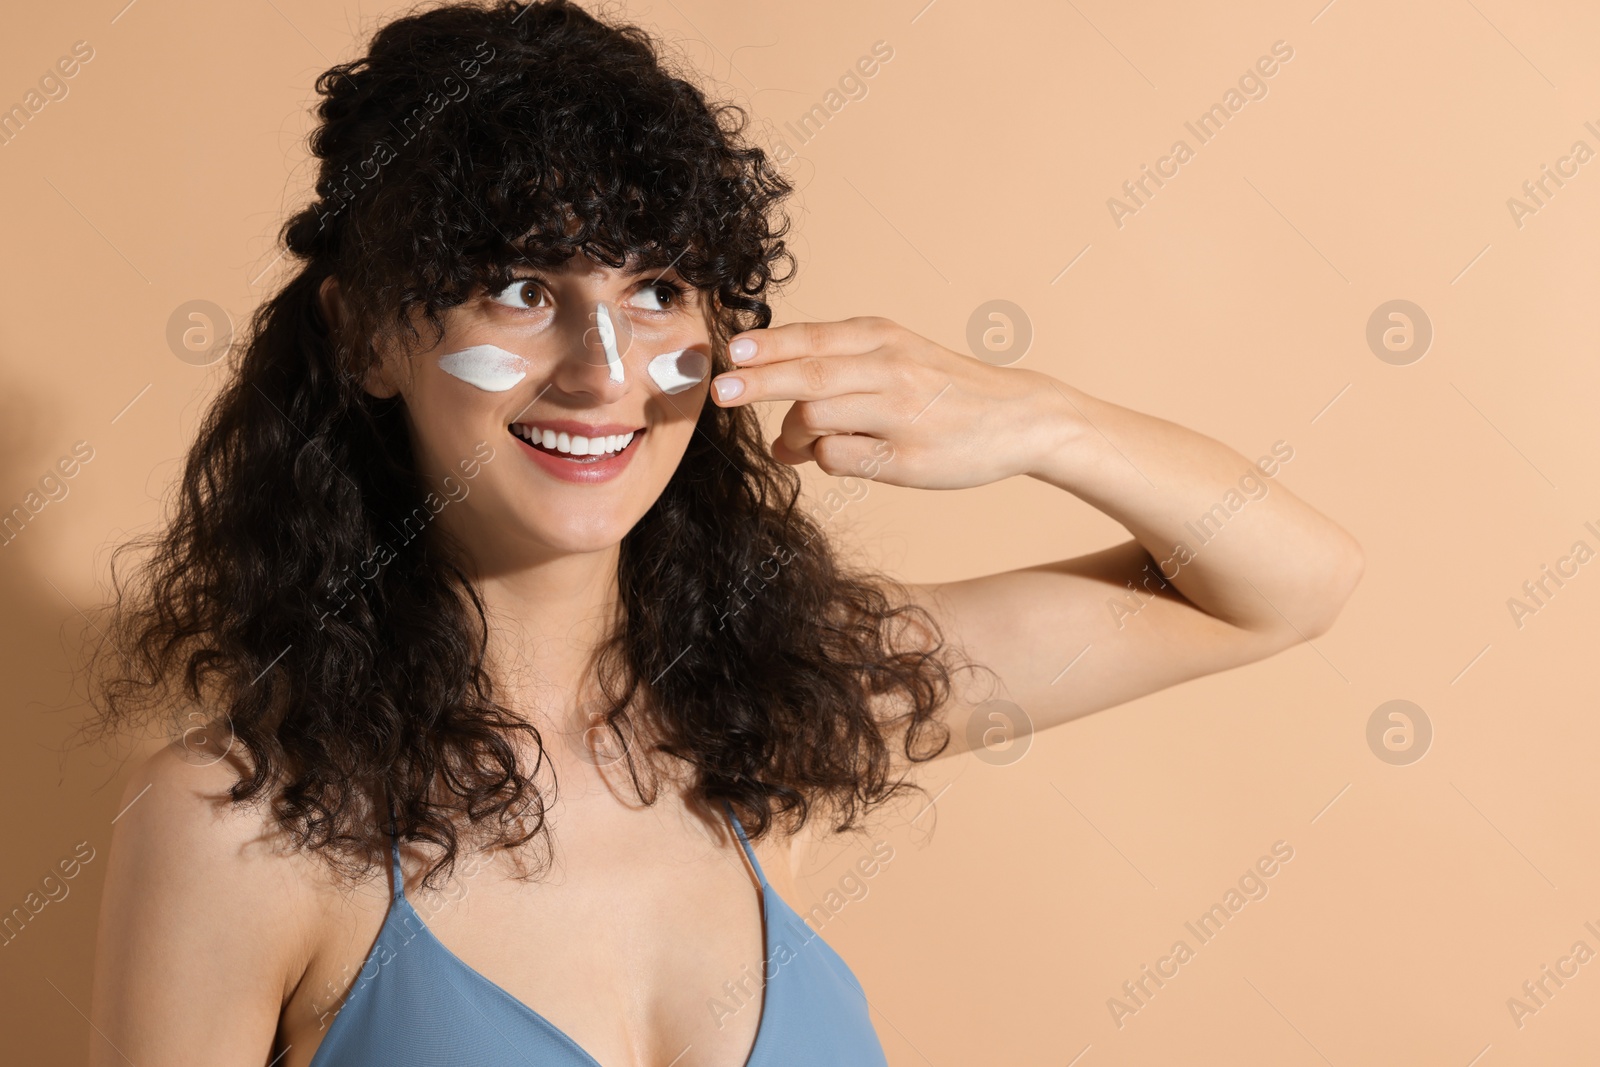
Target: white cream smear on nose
{"type": "Point", "coordinates": [492, 369]}
{"type": "Point", "coordinates": [608, 340]}
{"type": "Point", "coordinates": [676, 371]}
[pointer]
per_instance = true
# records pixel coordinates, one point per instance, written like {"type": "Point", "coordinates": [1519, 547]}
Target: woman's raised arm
{"type": "Point", "coordinates": [1226, 566]}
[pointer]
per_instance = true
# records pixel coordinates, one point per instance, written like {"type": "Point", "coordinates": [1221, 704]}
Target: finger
{"type": "Point", "coordinates": [777, 343]}
{"type": "Point", "coordinates": [828, 443]}
{"type": "Point", "coordinates": [784, 454]}
{"type": "Point", "coordinates": [848, 455]}
{"type": "Point", "coordinates": [796, 435]}
{"type": "Point", "coordinates": [803, 378]}
{"type": "Point", "coordinates": [806, 421]}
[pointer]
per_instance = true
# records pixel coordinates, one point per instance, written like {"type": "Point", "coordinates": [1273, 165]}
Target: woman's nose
{"type": "Point", "coordinates": [596, 362]}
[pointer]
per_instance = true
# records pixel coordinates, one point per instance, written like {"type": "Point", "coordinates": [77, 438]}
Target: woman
{"type": "Point", "coordinates": [501, 634]}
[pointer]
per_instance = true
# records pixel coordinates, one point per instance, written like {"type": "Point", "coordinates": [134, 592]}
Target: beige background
{"type": "Point", "coordinates": [978, 166]}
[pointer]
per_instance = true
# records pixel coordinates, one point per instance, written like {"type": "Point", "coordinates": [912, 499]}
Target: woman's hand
{"type": "Point", "coordinates": [949, 421]}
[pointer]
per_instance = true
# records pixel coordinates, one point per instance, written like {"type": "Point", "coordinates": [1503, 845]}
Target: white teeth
{"type": "Point", "coordinates": [574, 444]}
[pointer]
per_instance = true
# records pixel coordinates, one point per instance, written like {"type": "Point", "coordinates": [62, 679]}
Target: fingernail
{"type": "Point", "coordinates": [728, 387]}
{"type": "Point", "coordinates": [742, 349]}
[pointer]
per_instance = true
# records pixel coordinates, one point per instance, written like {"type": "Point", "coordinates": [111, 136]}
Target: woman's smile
{"type": "Point", "coordinates": [577, 451]}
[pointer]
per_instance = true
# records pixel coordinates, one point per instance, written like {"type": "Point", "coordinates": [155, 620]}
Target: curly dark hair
{"type": "Point", "coordinates": [471, 137]}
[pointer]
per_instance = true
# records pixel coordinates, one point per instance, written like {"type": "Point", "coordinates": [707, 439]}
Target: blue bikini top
{"type": "Point", "coordinates": [417, 1004]}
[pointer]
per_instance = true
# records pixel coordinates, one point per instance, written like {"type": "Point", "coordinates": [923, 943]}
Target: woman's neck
{"type": "Point", "coordinates": [546, 621]}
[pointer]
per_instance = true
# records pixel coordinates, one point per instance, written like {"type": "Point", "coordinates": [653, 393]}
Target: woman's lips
{"type": "Point", "coordinates": [586, 469]}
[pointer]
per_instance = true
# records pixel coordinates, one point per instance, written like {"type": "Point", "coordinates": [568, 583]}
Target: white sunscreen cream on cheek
{"type": "Point", "coordinates": [492, 369]}
{"type": "Point", "coordinates": [608, 340]}
{"type": "Point", "coordinates": [676, 371]}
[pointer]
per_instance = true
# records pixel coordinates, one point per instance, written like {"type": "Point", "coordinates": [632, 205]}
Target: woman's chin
{"type": "Point", "coordinates": [578, 532]}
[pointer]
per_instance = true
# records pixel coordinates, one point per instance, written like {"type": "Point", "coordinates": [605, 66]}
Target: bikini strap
{"type": "Point", "coordinates": [397, 877]}
{"type": "Point", "coordinates": [738, 828]}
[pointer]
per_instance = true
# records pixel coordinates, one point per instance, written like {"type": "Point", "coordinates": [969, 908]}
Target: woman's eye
{"type": "Point", "coordinates": [654, 297]}
{"type": "Point", "coordinates": [521, 293]}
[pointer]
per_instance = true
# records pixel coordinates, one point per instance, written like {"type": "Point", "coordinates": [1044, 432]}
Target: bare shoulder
{"type": "Point", "coordinates": [206, 922]}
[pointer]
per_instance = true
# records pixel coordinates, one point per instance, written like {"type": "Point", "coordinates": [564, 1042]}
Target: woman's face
{"type": "Point", "coordinates": [542, 360]}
